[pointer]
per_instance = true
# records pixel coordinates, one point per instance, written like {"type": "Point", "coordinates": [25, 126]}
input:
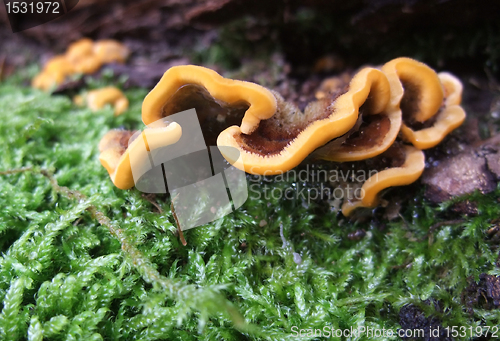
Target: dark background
{"type": "Point", "coordinates": [454, 34]}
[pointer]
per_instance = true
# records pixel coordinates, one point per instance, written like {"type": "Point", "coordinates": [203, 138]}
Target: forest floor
{"type": "Point", "coordinates": [82, 259]}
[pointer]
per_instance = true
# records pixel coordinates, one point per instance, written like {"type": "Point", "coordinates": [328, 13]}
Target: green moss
{"type": "Point", "coordinates": [65, 276]}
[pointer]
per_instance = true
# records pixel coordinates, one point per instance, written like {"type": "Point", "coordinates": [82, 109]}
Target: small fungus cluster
{"type": "Point", "coordinates": [97, 99]}
{"type": "Point", "coordinates": [391, 113]}
{"type": "Point", "coordinates": [83, 56]}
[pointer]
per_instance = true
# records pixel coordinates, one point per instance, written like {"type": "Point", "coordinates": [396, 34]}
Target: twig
{"type": "Point", "coordinates": [15, 171]}
{"type": "Point", "coordinates": [172, 208]}
{"type": "Point", "coordinates": [152, 202]}
{"type": "Point", "coordinates": [2, 67]}
{"type": "Point", "coordinates": [402, 266]}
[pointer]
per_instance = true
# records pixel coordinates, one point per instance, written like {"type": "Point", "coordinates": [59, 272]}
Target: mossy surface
{"type": "Point", "coordinates": [65, 276]}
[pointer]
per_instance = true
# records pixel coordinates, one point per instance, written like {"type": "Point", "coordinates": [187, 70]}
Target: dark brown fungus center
{"type": "Point", "coordinates": [410, 106]}
{"type": "Point", "coordinates": [369, 131]}
{"type": "Point", "coordinates": [410, 102]}
{"type": "Point", "coordinates": [372, 131]}
{"type": "Point", "coordinates": [214, 116]}
{"type": "Point", "coordinates": [275, 133]}
{"type": "Point", "coordinates": [125, 138]}
{"type": "Point", "coordinates": [393, 157]}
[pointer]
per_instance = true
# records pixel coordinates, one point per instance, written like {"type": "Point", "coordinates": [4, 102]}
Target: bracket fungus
{"type": "Point", "coordinates": [116, 146]}
{"type": "Point", "coordinates": [109, 51]}
{"type": "Point", "coordinates": [97, 99]}
{"type": "Point", "coordinates": [288, 137]}
{"type": "Point", "coordinates": [430, 102]}
{"type": "Point", "coordinates": [404, 166]}
{"type": "Point", "coordinates": [82, 56]}
{"type": "Point", "coordinates": [378, 125]}
{"type": "Point", "coordinates": [181, 84]}
{"type": "Point", "coordinates": [450, 116]}
{"type": "Point", "coordinates": [271, 135]}
{"type": "Point", "coordinates": [54, 73]}
{"type": "Point", "coordinates": [370, 119]}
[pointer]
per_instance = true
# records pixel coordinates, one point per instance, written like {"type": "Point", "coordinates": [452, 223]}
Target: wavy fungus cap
{"type": "Point", "coordinates": [286, 139]}
{"type": "Point", "coordinates": [272, 135]}
{"type": "Point", "coordinates": [97, 99]}
{"type": "Point", "coordinates": [430, 102]}
{"type": "Point", "coordinates": [419, 86]}
{"type": "Point", "coordinates": [375, 131]}
{"type": "Point", "coordinates": [108, 51]}
{"type": "Point", "coordinates": [449, 117]}
{"type": "Point", "coordinates": [405, 169]}
{"type": "Point", "coordinates": [82, 56]}
{"type": "Point", "coordinates": [161, 101]}
{"type": "Point", "coordinates": [358, 121]}
{"type": "Point", "coordinates": [115, 150]}
{"type": "Point", "coordinates": [79, 49]}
